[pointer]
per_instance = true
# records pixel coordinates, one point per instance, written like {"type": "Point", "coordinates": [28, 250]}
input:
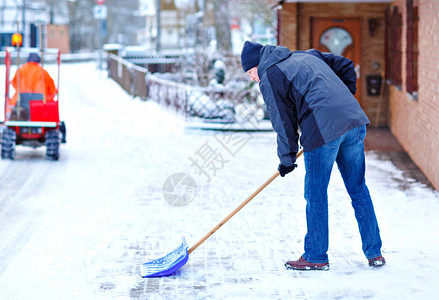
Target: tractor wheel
{"type": "Point", "coordinates": [8, 143]}
{"type": "Point", "coordinates": [53, 141]}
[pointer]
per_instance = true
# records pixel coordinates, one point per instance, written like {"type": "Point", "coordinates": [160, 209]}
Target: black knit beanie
{"type": "Point", "coordinates": [33, 57]}
{"type": "Point", "coordinates": [250, 55]}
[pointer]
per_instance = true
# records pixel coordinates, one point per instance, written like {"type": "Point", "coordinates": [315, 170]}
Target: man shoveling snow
{"type": "Point", "coordinates": [313, 91]}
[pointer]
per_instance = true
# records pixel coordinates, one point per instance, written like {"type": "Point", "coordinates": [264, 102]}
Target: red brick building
{"type": "Point", "coordinates": [394, 45]}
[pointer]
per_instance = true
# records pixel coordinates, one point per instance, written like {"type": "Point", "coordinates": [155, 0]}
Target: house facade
{"type": "Point", "coordinates": [29, 17]}
{"type": "Point", "coordinates": [413, 97]}
{"type": "Point", "coordinates": [395, 48]}
{"type": "Point", "coordinates": [172, 25]}
{"type": "Point", "coordinates": [24, 17]}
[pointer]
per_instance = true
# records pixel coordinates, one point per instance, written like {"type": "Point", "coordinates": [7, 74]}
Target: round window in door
{"type": "Point", "coordinates": [336, 39]}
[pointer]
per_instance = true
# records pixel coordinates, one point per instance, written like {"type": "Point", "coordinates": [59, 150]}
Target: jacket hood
{"type": "Point", "coordinates": [271, 55]}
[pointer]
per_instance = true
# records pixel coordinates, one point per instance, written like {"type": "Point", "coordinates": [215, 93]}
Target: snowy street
{"type": "Point", "coordinates": [80, 227]}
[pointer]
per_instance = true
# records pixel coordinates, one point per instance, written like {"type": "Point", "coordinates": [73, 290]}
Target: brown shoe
{"type": "Point", "coordinates": [377, 261]}
{"type": "Point", "coordinates": [302, 265]}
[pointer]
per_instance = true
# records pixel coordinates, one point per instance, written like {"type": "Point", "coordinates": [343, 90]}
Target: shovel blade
{"type": "Point", "coordinates": [168, 264]}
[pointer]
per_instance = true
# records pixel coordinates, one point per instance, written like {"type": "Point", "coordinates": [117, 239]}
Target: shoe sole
{"type": "Point", "coordinates": [377, 264]}
{"type": "Point", "coordinates": [312, 268]}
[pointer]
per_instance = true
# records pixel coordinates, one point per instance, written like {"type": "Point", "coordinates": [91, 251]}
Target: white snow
{"type": "Point", "coordinates": [79, 228]}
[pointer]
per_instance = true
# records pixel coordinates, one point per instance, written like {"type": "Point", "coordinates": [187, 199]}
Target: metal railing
{"type": "Point", "coordinates": [219, 104]}
{"type": "Point", "coordinates": [129, 76]}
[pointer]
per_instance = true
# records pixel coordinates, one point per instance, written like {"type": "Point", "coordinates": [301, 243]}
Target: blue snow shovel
{"type": "Point", "coordinates": [178, 258]}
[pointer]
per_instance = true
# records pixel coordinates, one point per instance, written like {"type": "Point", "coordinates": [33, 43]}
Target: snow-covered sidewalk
{"type": "Point", "coordinates": [79, 228]}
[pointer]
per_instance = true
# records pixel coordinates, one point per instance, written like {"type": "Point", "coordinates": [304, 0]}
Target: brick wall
{"type": "Point", "coordinates": [295, 33]}
{"type": "Point", "coordinates": [288, 26]}
{"type": "Point", "coordinates": [415, 123]}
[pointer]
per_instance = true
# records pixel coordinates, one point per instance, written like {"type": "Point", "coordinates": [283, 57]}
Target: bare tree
{"type": "Point", "coordinates": [252, 10]}
{"type": "Point", "coordinates": [82, 26]}
{"type": "Point", "coordinates": [123, 20]}
{"type": "Point", "coordinates": [222, 25]}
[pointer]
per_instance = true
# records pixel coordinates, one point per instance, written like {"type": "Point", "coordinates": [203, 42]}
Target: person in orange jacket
{"type": "Point", "coordinates": [35, 82]}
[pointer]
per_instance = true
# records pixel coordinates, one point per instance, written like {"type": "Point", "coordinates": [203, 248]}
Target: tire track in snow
{"type": "Point", "coordinates": [20, 180]}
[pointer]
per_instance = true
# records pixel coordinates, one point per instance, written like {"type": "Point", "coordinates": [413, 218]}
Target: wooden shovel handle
{"type": "Point", "coordinates": [264, 185]}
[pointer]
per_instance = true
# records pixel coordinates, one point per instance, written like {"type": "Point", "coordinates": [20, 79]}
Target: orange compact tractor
{"type": "Point", "coordinates": [32, 113]}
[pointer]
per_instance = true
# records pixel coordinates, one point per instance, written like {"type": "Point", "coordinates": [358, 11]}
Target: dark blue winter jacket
{"type": "Point", "coordinates": [308, 91]}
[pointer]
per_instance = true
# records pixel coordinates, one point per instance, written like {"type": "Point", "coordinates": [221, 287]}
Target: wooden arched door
{"type": "Point", "coordinates": [341, 37]}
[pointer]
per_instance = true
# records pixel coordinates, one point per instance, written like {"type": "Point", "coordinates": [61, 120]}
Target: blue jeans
{"type": "Point", "coordinates": [348, 152]}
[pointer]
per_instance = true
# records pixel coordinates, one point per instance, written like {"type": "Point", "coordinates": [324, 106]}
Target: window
{"type": "Point", "coordinates": [412, 50]}
{"type": "Point", "coordinates": [336, 40]}
{"type": "Point", "coordinates": [395, 47]}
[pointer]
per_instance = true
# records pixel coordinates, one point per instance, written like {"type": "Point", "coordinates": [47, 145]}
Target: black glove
{"type": "Point", "coordinates": [284, 170]}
